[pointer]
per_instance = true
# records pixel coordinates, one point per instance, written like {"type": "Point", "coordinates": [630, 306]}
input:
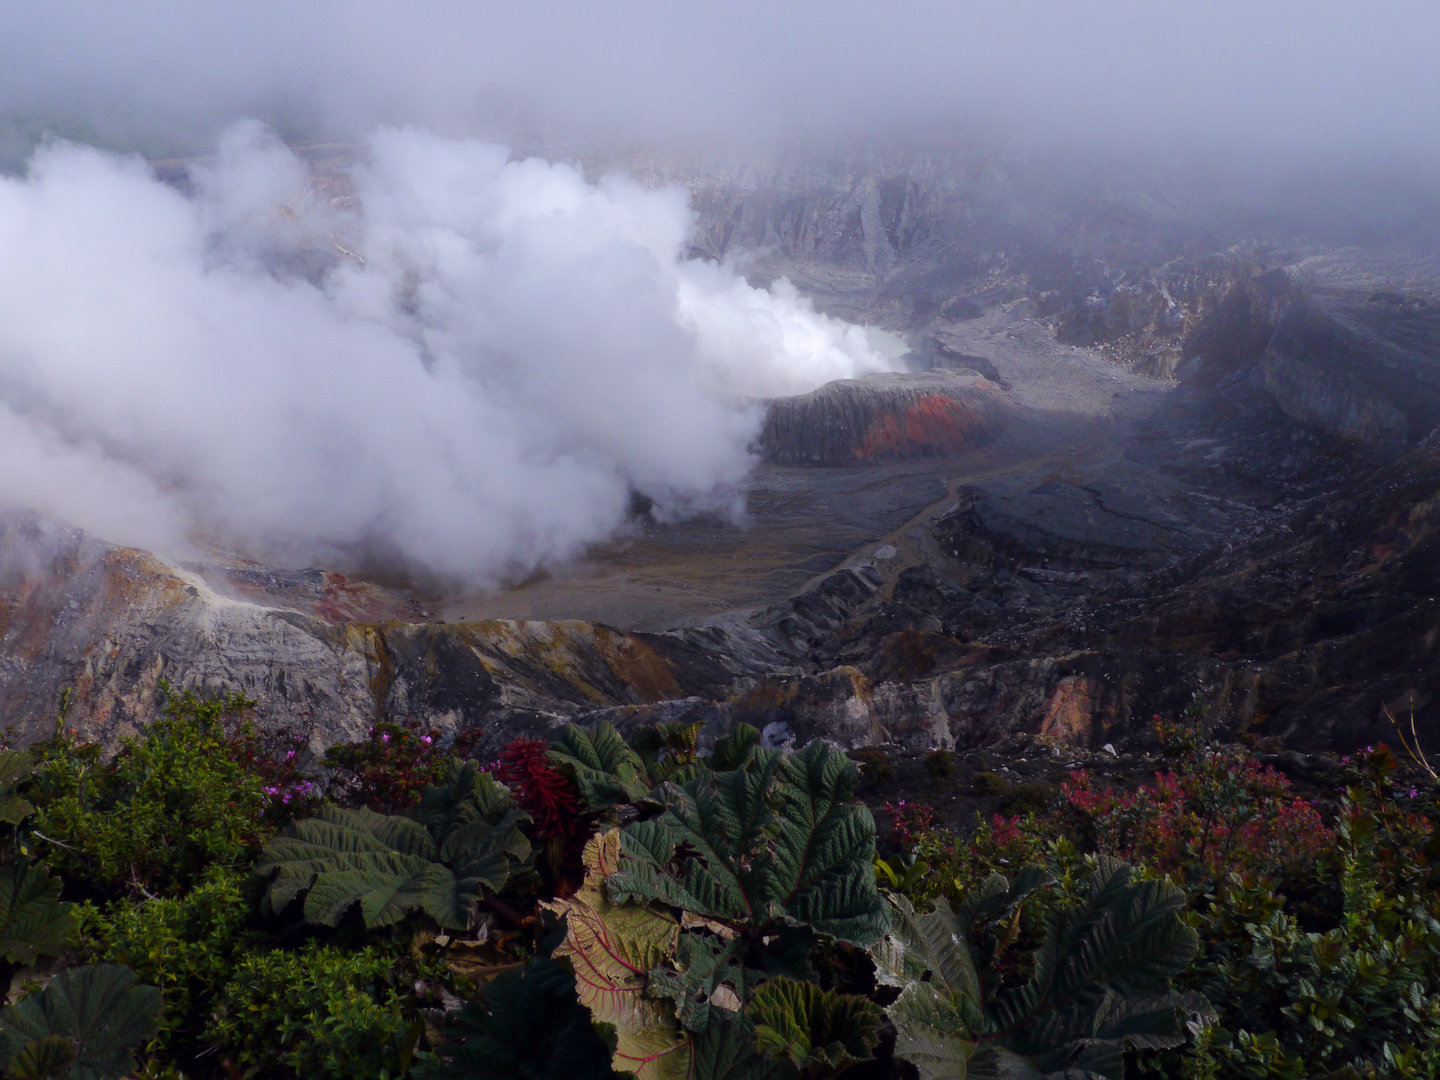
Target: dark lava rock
{"type": "Point", "coordinates": [884, 418]}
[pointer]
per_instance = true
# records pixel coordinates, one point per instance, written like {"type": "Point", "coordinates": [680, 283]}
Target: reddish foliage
{"type": "Point", "coordinates": [280, 758]}
{"type": "Point", "coordinates": [1222, 813]}
{"type": "Point", "coordinates": [909, 821]}
{"type": "Point", "coordinates": [390, 769]}
{"type": "Point", "coordinates": [540, 788]}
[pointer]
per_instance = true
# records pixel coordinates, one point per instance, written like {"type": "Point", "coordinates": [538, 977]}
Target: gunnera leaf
{"type": "Point", "coordinates": [819, 865]}
{"type": "Point", "coordinates": [728, 1051]}
{"type": "Point", "coordinates": [670, 751]}
{"type": "Point", "coordinates": [775, 841]}
{"type": "Point", "coordinates": [720, 821]}
{"type": "Point", "coordinates": [612, 948]}
{"type": "Point", "coordinates": [734, 750]}
{"type": "Point", "coordinates": [469, 795]}
{"type": "Point", "coordinates": [1124, 938]}
{"type": "Point", "coordinates": [32, 919]}
{"type": "Point", "coordinates": [97, 1008]}
{"type": "Point", "coordinates": [389, 865]}
{"type": "Point", "coordinates": [525, 1026]}
{"type": "Point", "coordinates": [606, 770]}
{"type": "Point", "coordinates": [707, 982]}
{"type": "Point", "coordinates": [43, 1058]}
{"type": "Point", "coordinates": [821, 1032]}
{"type": "Point", "coordinates": [1099, 983]}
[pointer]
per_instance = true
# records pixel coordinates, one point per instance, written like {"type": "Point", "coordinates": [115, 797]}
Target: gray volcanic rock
{"type": "Point", "coordinates": [885, 418]}
{"type": "Point", "coordinates": [1366, 372]}
{"type": "Point", "coordinates": [101, 626]}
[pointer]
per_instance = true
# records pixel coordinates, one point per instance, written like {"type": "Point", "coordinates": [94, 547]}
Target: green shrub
{"type": "Point", "coordinates": [987, 784]}
{"type": "Point", "coordinates": [1319, 944]}
{"type": "Point", "coordinates": [875, 767]}
{"type": "Point", "coordinates": [389, 769]}
{"type": "Point", "coordinates": [171, 805]}
{"type": "Point", "coordinates": [1364, 992]}
{"type": "Point", "coordinates": [317, 1013]}
{"type": "Point", "coordinates": [187, 946]}
{"type": "Point", "coordinates": [940, 763]}
{"type": "Point", "coordinates": [1024, 800]}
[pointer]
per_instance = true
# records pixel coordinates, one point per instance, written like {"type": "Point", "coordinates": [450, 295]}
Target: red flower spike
{"type": "Point", "coordinates": [540, 788]}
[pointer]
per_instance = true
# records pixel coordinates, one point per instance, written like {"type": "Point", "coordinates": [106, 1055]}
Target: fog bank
{"type": "Point", "coordinates": [1328, 80]}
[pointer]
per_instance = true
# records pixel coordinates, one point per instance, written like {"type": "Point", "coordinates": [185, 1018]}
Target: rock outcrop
{"type": "Point", "coordinates": [99, 627]}
{"type": "Point", "coordinates": [1366, 372]}
{"type": "Point", "coordinates": [885, 417]}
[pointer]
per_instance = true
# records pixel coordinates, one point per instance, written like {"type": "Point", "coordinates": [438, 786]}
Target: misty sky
{"type": "Point", "coordinates": [1343, 77]}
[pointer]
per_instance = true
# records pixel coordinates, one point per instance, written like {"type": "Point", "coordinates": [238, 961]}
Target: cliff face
{"type": "Point", "coordinates": [1367, 372]}
{"type": "Point", "coordinates": [107, 624]}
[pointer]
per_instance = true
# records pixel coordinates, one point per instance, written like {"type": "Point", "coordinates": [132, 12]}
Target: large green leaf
{"type": "Point", "coordinates": [469, 795]}
{"type": "Point", "coordinates": [734, 750]}
{"type": "Point", "coordinates": [722, 823]}
{"type": "Point", "coordinates": [936, 1018]}
{"type": "Point", "coordinates": [707, 982]}
{"type": "Point", "coordinates": [41, 1059]}
{"type": "Point", "coordinates": [1099, 982]}
{"type": "Point", "coordinates": [32, 919]}
{"type": "Point", "coordinates": [721, 850]}
{"type": "Point", "coordinates": [670, 751]}
{"type": "Point", "coordinates": [933, 1031]}
{"type": "Point", "coordinates": [819, 865]}
{"type": "Point", "coordinates": [606, 770]}
{"type": "Point", "coordinates": [98, 1009]}
{"type": "Point", "coordinates": [388, 886]}
{"type": "Point", "coordinates": [1124, 938]}
{"type": "Point", "coordinates": [391, 865]}
{"type": "Point", "coordinates": [820, 1031]}
{"type": "Point", "coordinates": [728, 1051]}
{"type": "Point", "coordinates": [934, 942]}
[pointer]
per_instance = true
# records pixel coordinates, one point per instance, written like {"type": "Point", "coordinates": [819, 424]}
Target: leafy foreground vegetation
{"type": "Point", "coordinates": [214, 902]}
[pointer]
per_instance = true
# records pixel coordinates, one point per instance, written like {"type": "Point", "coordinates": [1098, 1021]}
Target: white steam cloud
{"type": "Point", "coordinates": [468, 366]}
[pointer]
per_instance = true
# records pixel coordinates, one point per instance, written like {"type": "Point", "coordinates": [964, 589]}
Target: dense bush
{"type": "Point", "coordinates": [725, 920]}
{"type": "Point", "coordinates": [390, 768]}
{"type": "Point", "coordinates": [188, 946]}
{"type": "Point", "coordinates": [168, 808]}
{"type": "Point", "coordinates": [318, 1012]}
{"type": "Point", "coordinates": [1318, 944]}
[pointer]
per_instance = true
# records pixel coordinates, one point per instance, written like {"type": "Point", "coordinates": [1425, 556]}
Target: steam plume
{"type": "Point", "coordinates": [470, 365]}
